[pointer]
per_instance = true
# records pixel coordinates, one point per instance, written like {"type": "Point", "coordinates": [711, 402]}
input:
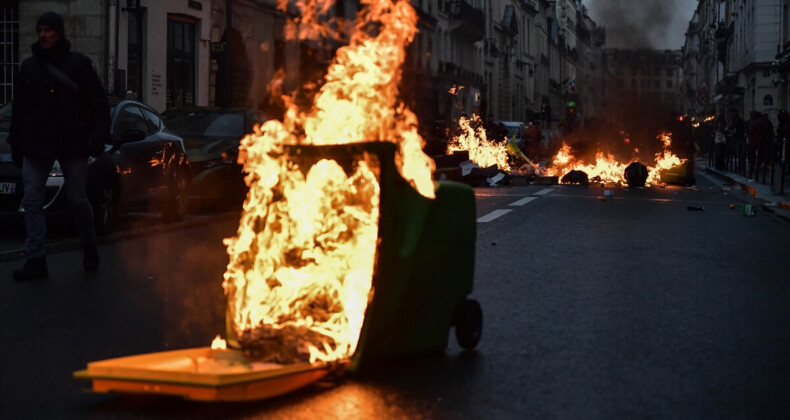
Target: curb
{"type": "Point", "coordinates": [776, 208]}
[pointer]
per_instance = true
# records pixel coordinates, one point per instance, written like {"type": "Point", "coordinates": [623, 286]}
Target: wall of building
{"type": "Point", "coordinates": [155, 48]}
{"type": "Point", "coordinates": [509, 71]}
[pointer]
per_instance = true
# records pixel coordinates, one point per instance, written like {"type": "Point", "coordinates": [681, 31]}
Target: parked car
{"type": "Point", "coordinates": [212, 136]}
{"type": "Point", "coordinates": [144, 168]}
{"type": "Point", "coordinates": [514, 130]}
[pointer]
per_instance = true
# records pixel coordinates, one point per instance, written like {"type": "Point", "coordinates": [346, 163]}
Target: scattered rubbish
{"type": "Point", "coordinates": [495, 179]}
{"type": "Point", "coordinates": [602, 198]}
{"type": "Point", "coordinates": [608, 193]}
{"type": "Point", "coordinates": [546, 180]}
{"type": "Point", "coordinates": [486, 177]}
{"type": "Point", "coordinates": [695, 208]}
{"type": "Point", "coordinates": [732, 206]}
{"type": "Point", "coordinates": [493, 243]}
{"type": "Point", "coordinates": [748, 210]}
{"type": "Point", "coordinates": [467, 166]}
{"type": "Point", "coordinates": [521, 180]}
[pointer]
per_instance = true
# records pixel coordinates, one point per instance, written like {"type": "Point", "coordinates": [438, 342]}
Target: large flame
{"type": "Point", "coordinates": [608, 169]}
{"type": "Point", "coordinates": [301, 263]}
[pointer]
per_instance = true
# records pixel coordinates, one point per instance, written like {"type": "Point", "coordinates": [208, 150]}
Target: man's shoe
{"type": "Point", "coordinates": [90, 258]}
{"type": "Point", "coordinates": [34, 268]}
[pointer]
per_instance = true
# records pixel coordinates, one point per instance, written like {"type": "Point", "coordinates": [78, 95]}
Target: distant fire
{"type": "Point", "coordinates": [482, 151]}
{"type": "Point", "coordinates": [301, 263]}
{"type": "Point", "coordinates": [608, 169]}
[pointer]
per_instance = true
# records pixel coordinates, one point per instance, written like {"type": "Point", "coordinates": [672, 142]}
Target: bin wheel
{"type": "Point", "coordinates": [468, 323]}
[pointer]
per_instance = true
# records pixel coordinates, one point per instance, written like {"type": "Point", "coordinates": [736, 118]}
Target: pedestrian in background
{"type": "Point", "coordinates": [720, 144]}
{"type": "Point", "coordinates": [782, 135]}
{"type": "Point", "coordinates": [533, 137]}
{"type": "Point", "coordinates": [736, 139]}
{"type": "Point", "coordinates": [60, 112]}
{"type": "Point", "coordinates": [760, 134]}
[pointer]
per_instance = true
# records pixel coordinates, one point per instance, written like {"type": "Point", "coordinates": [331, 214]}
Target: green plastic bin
{"type": "Point", "coordinates": [424, 261]}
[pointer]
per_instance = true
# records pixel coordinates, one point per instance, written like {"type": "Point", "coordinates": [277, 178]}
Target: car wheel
{"type": "Point", "coordinates": [177, 201]}
{"type": "Point", "coordinates": [468, 322]}
{"type": "Point", "coordinates": [105, 209]}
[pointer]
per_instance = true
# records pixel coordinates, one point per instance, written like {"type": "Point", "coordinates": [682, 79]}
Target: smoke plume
{"type": "Point", "coordinates": [637, 24]}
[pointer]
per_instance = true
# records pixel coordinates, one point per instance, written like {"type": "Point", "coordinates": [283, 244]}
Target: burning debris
{"type": "Point", "coordinates": [302, 262]}
{"type": "Point", "coordinates": [482, 151]}
{"type": "Point", "coordinates": [505, 155]}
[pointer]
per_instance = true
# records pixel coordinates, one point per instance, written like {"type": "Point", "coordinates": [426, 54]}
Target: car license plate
{"type": "Point", "coordinates": [7, 187]}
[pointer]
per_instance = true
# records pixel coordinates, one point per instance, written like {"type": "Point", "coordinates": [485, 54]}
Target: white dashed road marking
{"type": "Point", "coordinates": [523, 201]}
{"type": "Point", "coordinates": [493, 215]}
{"type": "Point", "coordinates": [501, 212]}
{"type": "Point", "coordinates": [543, 192]}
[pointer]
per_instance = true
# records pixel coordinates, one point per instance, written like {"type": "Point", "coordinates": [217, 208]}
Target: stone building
{"type": "Point", "coordinates": [641, 82]}
{"type": "Point", "coordinates": [734, 57]}
{"type": "Point", "coordinates": [516, 60]}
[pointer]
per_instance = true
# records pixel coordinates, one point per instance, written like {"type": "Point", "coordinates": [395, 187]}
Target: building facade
{"type": "Point", "coordinates": [506, 59]}
{"type": "Point", "coordinates": [735, 57]}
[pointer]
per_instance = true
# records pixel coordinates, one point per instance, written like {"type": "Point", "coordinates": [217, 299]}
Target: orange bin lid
{"type": "Point", "coordinates": [202, 374]}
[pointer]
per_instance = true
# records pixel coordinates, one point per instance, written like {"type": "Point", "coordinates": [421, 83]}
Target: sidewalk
{"type": "Point", "coordinates": [765, 196]}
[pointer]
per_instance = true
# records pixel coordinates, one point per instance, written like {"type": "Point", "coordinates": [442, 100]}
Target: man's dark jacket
{"type": "Point", "coordinates": [51, 119]}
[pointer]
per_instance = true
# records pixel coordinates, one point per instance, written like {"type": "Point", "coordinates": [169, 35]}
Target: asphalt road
{"type": "Point", "coordinates": [633, 306]}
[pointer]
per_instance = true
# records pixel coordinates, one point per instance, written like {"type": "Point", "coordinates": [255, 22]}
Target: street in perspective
{"type": "Point", "coordinates": [394, 209]}
{"type": "Point", "coordinates": [629, 306]}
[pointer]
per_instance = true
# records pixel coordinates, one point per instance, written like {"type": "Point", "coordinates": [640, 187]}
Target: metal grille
{"type": "Point", "coordinates": [9, 43]}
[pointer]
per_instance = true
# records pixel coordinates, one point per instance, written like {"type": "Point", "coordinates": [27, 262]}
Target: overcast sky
{"type": "Point", "coordinates": [659, 24]}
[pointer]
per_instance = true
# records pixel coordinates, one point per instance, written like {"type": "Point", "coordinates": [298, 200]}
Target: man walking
{"type": "Point", "coordinates": [60, 112]}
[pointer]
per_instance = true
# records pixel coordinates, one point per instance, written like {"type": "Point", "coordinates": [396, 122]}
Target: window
{"type": "Point", "coordinates": [669, 84]}
{"type": "Point", "coordinates": [131, 117]}
{"type": "Point", "coordinates": [180, 62]}
{"type": "Point", "coordinates": [153, 120]}
{"type": "Point", "coordinates": [134, 67]}
{"type": "Point", "coordinates": [9, 43]}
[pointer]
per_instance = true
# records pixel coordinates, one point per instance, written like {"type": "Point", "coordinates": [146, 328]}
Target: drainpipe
{"type": "Point", "coordinates": [112, 40]}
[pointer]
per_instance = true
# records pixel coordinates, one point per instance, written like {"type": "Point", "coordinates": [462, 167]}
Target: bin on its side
{"type": "Point", "coordinates": [424, 265]}
{"type": "Point", "coordinates": [424, 271]}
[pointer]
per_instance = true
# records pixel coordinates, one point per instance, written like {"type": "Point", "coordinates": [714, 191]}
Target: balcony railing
{"type": "Point", "coordinates": [465, 18]}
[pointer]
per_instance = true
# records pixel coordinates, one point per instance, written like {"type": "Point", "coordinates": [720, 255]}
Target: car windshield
{"type": "Point", "coordinates": [209, 124]}
{"type": "Point", "coordinates": [513, 129]}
